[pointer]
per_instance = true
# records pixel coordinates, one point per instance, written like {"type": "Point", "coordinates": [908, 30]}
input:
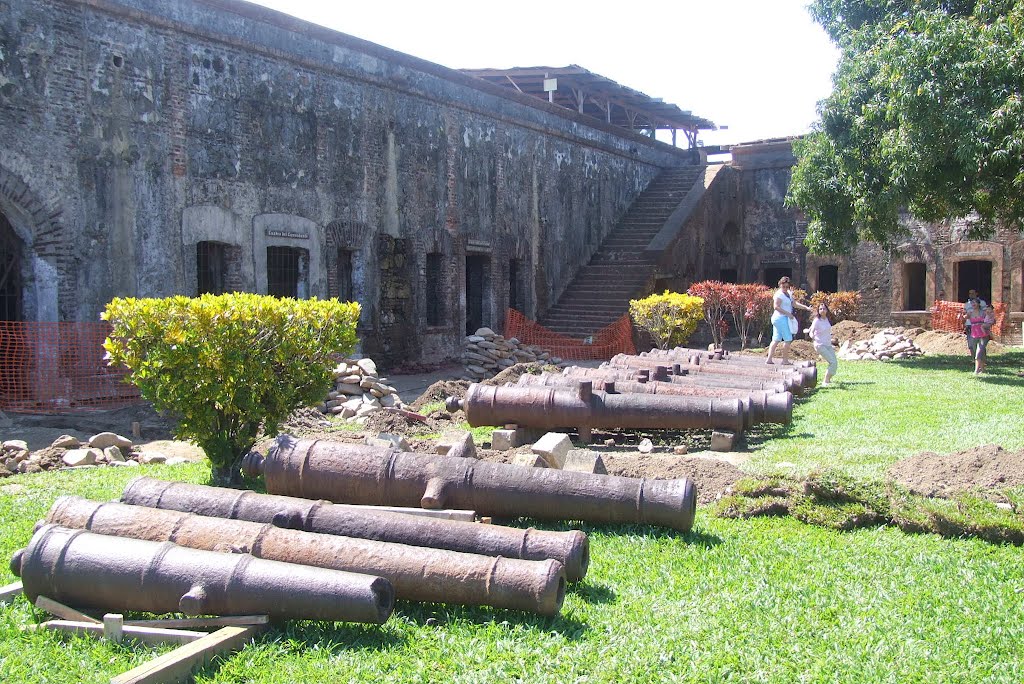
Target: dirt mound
{"type": "Point", "coordinates": [439, 391]}
{"type": "Point", "coordinates": [988, 468]}
{"type": "Point", "coordinates": [854, 331]}
{"type": "Point", "coordinates": [513, 373]}
{"type": "Point", "coordinates": [938, 342]}
{"type": "Point", "coordinates": [397, 423]}
{"type": "Point", "coordinates": [711, 476]}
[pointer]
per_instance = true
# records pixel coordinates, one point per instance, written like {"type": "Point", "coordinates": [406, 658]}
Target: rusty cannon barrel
{"type": "Point", "coordinates": [606, 373]}
{"type": "Point", "coordinates": [584, 409]}
{"type": "Point", "coordinates": [807, 370]}
{"type": "Point", "coordinates": [796, 382]}
{"type": "Point", "coordinates": [678, 373]}
{"type": "Point", "coordinates": [570, 548]}
{"type": "Point", "coordinates": [353, 473]}
{"type": "Point", "coordinates": [759, 406]}
{"type": "Point", "coordinates": [417, 573]}
{"type": "Point", "coordinates": [89, 570]}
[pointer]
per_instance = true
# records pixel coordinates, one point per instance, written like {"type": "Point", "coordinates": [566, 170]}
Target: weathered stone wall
{"type": "Point", "coordinates": [134, 129]}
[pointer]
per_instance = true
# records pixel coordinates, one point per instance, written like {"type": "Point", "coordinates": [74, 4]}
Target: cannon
{"type": "Point", "coordinates": [759, 407]}
{"type": "Point", "coordinates": [113, 574]}
{"type": "Point", "coordinates": [417, 573]}
{"type": "Point", "coordinates": [721, 355]}
{"type": "Point", "coordinates": [570, 548]}
{"type": "Point", "coordinates": [605, 373]}
{"type": "Point", "coordinates": [796, 382]}
{"type": "Point", "coordinates": [584, 409]}
{"type": "Point", "coordinates": [353, 473]}
{"type": "Point", "coordinates": [808, 370]}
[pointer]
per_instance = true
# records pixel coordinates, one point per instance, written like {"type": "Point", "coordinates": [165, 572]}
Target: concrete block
{"type": "Point", "coordinates": [553, 448]}
{"type": "Point", "coordinates": [503, 440]}
{"type": "Point", "coordinates": [529, 461]}
{"type": "Point", "coordinates": [585, 463]}
{"type": "Point", "coordinates": [723, 441]}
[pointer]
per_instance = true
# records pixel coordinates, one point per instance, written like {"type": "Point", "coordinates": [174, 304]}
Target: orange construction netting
{"type": "Point", "coordinates": [616, 338]}
{"type": "Point", "coordinates": [57, 367]}
{"type": "Point", "coordinates": [949, 317]}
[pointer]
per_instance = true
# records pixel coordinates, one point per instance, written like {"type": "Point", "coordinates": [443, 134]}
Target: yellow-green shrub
{"type": "Point", "coordinates": [669, 318]}
{"type": "Point", "coordinates": [226, 365]}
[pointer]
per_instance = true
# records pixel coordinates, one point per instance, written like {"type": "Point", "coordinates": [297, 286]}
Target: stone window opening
{"type": "Point", "coordinates": [728, 275]}
{"type": "Point", "coordinates": [974, 274]}
{"type": "Point", "coordinates": [478, 284]}
{"type": "Point", "coordinates": [435, 295]}
{"type": "Point", "coordinates": [914, 288]}
{"type": "Point", "coordinates": [516, 300]}
{"type": "Point", "coordinates": [211, 267]}
{"type": "Point", "coordinates": [344, 271]}
{"type": "Point", "coordinates": [10, 272]}
{"type": "Point", "coordinates": [287, 272]}
{"type": "Point", "coordinates": [828, 278]}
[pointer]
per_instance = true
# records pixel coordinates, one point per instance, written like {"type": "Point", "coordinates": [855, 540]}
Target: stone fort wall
{"type": "Point", "coordinates": [136, 131]}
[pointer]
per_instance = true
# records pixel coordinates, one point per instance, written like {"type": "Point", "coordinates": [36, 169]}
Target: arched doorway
{"type": "Point", "coordinates": [10, 272]}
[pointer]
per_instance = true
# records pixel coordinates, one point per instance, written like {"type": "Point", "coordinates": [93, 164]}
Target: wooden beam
{"type": "Point", "coordinates": [9, 591]}
{"type": "Point", "coordinates": [178, 665]}
{"type": "Point", "coordinates": [149, 635]}
{"type": "Point", "coordinates": [199, 623]}
{"type": "Point", "coordinates": [61, 611]}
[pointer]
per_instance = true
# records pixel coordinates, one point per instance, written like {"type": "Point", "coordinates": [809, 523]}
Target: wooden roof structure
{"type": "Point", "coordinates": [574, 87]}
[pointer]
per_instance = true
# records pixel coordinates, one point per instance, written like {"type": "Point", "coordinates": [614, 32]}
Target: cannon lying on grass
{"type": "Point", "coordinates": [806, 371]}
{"type": "Point", "coordinates": [89, 570]}
{"type": "Point", "coordinates": [797, 383]}
{"type": "Point", "coordinates": [702, 355]}
{"type": "Point", "coordinates": [666, 373]}
{"type": "Point", "coordinates": [569, 548]}
{"type": "Point", "coordinates": [759, 406]}
{"type": "Point", "coordinates": [584, 409]}
{"type": "Point", "coordinates": [417, 573]}
{"type": "Point", "coordinates": [352, 473]}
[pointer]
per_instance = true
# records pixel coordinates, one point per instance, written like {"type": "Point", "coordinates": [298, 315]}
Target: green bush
{"type": "Point", "coordinates": [225, 366]}
{"type": "Point", "coordinates": [669, 318]}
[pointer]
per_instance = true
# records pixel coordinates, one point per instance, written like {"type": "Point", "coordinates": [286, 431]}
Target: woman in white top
{"type": "Point", "coordinates": [783, 321]}
{"type": "Point", "coordinates": [821, 334]}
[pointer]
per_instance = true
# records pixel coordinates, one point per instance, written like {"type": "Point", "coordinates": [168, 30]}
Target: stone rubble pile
{"type": "Point", "coordinates": [103, 449]}
{"type": "Point", "coordinates": [486, 354]}
{"type": "Point", "coordinates": [884, 345]}
{"type": "Point", "coordinates": [358, 391]}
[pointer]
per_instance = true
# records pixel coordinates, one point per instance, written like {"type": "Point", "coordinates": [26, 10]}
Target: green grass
{"type": "Point", "coordinates": [759, 600]}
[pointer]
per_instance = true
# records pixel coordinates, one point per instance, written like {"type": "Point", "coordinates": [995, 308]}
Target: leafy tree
{"type": "Point", "coordinates": [713, 294]}
{"type": "Point", "coordinates": [842, 306]}
{"type": "Point", "coordinates": [927, 115]}
{"type": "Point", "coordinates": [227, 366]}
{"type": "Point", "coordinates": [669, 318]}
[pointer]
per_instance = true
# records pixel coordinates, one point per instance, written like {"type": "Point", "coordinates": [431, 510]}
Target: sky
{"type": "Point", "coordinates": [758, 67]}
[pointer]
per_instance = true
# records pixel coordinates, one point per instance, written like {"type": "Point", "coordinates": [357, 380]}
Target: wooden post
{"type": "Point", "coordinates": [113, 627]}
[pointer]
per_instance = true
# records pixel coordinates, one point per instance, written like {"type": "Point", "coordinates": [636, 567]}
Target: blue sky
{"type": "Point", "coordinates": [756, 66]}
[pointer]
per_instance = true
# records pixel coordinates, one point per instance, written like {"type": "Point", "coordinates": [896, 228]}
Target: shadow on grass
{"type": "Point", "coordinates": [333, 637]}
{"type": "Point", "coordinates": [593, 593]}
{"type": "Point", "coordinates": [438, 614]}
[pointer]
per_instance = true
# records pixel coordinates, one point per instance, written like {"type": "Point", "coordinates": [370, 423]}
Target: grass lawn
{"type": "Point", "coordinates": [761, 600]}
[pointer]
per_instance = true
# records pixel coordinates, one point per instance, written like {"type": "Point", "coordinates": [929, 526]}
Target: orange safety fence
{"type": "Point", "coordinates": [949, 317]}
{"type": "Point", "coordinates": [58, 367]}
{"type": "Point", "coordinates": [616, 338]}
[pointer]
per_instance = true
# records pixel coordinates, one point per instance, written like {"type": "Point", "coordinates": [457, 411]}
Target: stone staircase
{"type": "Point", "coordinates": [620, 269]}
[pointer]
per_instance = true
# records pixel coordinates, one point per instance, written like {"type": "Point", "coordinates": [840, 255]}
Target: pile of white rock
{"type": "Point", "coordinates": [486, 354]}
{"type": "Point", "coordinates": [884, 345]}
{"type": "Point", "coordinates": [105, 448]}
{"type": "Point", "coordinates": [358, 391]}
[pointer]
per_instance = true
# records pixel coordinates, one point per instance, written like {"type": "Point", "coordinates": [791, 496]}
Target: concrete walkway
{"type": "Point", "coordinates": [411, 386]}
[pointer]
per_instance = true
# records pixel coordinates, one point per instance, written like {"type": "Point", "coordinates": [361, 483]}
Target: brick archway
{"type": "Point", "coordinates": [46, 253]}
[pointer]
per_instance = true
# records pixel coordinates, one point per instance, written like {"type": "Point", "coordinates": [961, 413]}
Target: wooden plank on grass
{"type": "Point", "coordinates": [9, 591]}
{"type": "Point", "coordinates": [178, 665]}
{"type": "Point", "coordinates": [149, 635]}
{"type": "Point", "coordinates": [61, 611]}
{"type": "Point", "coordinates": [199, 623]}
